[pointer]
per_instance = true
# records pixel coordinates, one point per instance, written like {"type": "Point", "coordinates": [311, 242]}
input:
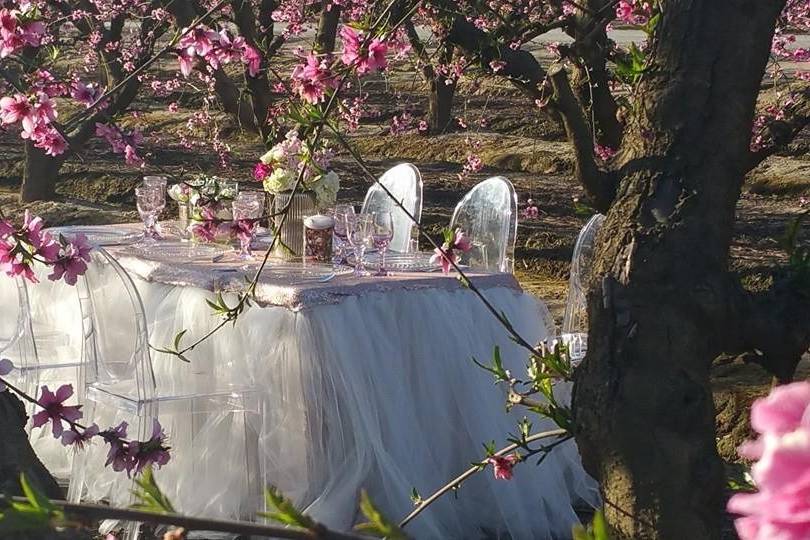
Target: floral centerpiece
{"type": "Point", "coordinates": [208, 199]}
{"type": "Point", "coordinates": [279, 168]}
{"type": "Point", "coordinates": [279, 171]}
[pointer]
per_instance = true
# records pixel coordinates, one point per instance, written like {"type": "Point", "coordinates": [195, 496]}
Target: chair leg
{"type": "Point", "coordinates": [79, 460]}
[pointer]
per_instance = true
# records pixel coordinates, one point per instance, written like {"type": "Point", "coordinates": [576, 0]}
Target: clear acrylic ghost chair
{"type": "Point", "coordinates": [488, 215]}
{"type": "Point", "coordinates": [120, 385]}
{"type": "Point", "coordinates": [575, 320]}
{"type": "Point", "coordinates": [40, 333]}
{"type": "Point", "coordinates": [405, 184]}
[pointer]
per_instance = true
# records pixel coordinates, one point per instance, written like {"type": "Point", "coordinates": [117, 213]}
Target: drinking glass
{"type": "Point", "coordinates": [358, 233]}
{"type": "Point", "coordinates": [155, 182]}
{"type": "Point", "coordinates": [150, 202]}
{"type": "Point", "coordinates": [247, 208]}
{"type": "Point", "coordinates": [382, 232]}
{"type": "Point", "coordinates": [339, 236]}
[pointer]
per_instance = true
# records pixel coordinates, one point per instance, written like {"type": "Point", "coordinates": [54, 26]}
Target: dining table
{"type": "Point", "coordinates": [364, 383]}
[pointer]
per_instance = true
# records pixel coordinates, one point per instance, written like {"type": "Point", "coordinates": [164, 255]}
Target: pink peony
{"type": "Point", "coordinates": [262, 171]}
{"type": "Point", "coordinates": [502, 465]}
{"type": "Point", "coordinates": [54, 410]}
{"type": "Point", "coordinates": [781, 507]}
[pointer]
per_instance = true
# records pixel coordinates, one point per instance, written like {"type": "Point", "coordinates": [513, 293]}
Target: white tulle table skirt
{"type": "Point", "coordinates": [377, 391]}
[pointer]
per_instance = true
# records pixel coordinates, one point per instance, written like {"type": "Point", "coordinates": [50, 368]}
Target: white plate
{"type": "Point", "coordinates": [171, 251]}
{"type": "Point", "coordinates": [99, 235]}
{"type": "Point", "coordinates": [400, 262]}
{"type": "Point", "coordinates": [298, 272]}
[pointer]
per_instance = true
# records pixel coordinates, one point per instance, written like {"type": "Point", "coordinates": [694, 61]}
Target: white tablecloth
{"type": "Point", "coordinates": [364, 384]}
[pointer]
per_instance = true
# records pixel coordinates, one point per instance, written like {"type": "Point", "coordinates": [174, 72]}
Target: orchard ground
{"type": "Point", "coordinates": [512, 137]}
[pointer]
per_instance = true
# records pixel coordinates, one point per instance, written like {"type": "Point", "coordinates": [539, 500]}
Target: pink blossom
{"type": "Point", "coordinates": [84, 93]}
{"type": "Point", "coordinates": [354, 56]}
{"type": "Point", "coordinates": [117, 455]}
{"type": "Point", "coordinates": [54, 410]}
{"type": "Point", "coordinates": [445, 259]}
{"type": "Point", "coordinates": [312, 78]}
{"type": "Point", "coordinates": [252, 59]}
{"type": "Point", "coordinates": [73, 262]}
{"type": "Point", "coordinates": [497, 65]}
{"type": "Point", "coordinates": [781, 507]}
{"type": "Point", "coordinates": [603, 152]}
{"type": "Point", "coordinates": [6, 367]}
{"type": "Point", "coordinates": [186, 61]}
{"type": "Point", "coordinates": [462, 241]}
{"type": "Point", "coordinates": [199, 41]}
{"type": "Point", "coordinates": [78, 439]}
{"type": "Point", "coordinates": [151, 452]}
{"type": "Point", "coordinates": [261, 171]}
{"type": "Point", "coordinates": [502, 465]}
{"type": "Point", "coordinates": [14, 109]}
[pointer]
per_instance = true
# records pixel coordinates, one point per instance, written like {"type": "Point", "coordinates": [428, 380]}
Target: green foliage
{"type": "Point", "coordinates": [377, 525]}
{"type": "Point", "coordinates": [597, 530]}
{"type": "Point", "coordinates": [631, 66]}
{"type": "Point", "coordinates": [284, 511]}
{"type": "Point", "coordinates": [496, 368]}
{"type": "Point", "coordinates": [35, 514]}
{"type": "Point", "coordinates": [148, 495]}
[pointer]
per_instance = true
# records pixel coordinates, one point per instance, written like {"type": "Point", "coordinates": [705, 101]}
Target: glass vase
{"type": "Point", "coordinates": [290, 243]}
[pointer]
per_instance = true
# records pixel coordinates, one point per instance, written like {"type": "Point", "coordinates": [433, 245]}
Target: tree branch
{"type": "Point", "coordinates": [600, 185]}
{"type": "Point", "coordinates": [783, 131]}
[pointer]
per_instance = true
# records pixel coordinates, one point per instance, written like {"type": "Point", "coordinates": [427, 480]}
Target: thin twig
{"type": "Point", "coordinates": [454, 483]}
{"type": "Point", "coordinates": [97, 512]}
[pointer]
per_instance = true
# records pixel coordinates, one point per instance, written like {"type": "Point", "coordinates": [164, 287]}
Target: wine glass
{"type": "Point", "coordinates": [150, 201]}
{"type": "Point", "coordinates": [247, 208]}
{"type": "Point", "coordinates": [339, 236]}
{"type": "Point", "coordinates": [358, 232]}
{"type": "Point", "coordinates": [155, 182]}
{"type": "Point", "coordinates": [382, 232]}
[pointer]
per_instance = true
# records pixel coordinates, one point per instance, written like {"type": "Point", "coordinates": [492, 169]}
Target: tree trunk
{"type": "Point", "coordinates": [16, 455]}
{"type": "Point", "coordinates": [40, 174]}
{"type": "Point", "coordinates": [440, 104]}
{"type": "Point", "coordinates": [659, 298]}
{"type": "Point", "coordinates": [327, 27]}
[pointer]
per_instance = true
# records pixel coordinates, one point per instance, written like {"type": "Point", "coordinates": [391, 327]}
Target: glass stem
{"type": "Point", "coordinates": [382, 270]}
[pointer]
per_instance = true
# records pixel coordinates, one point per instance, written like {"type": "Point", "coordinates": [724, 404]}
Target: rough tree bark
{"type": "Point", "coordinates": [662, 303]}
{"type": "Point", "coordinates": [16, 455]}
{"type": "Point", "coordinates": [441, 89]}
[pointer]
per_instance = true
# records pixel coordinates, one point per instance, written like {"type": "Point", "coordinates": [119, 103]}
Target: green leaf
{"type": "Point", "coordinates": [377, 524]}
{"type": "Point", "coordinates": [35, 514]}
{"type": "Point", "coordinates": [179, 338]}
{"type": "Point", "coordinates": [416, 498]}
{"type": "Point", "coordinates": [598, 530]}
{"type": "Point", "coordinates": [148, 495]}
{"type": "Point", "coordinates": [285, 512]}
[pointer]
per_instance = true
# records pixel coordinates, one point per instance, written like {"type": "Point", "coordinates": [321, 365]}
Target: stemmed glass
{"type": "Point", "coordinates": [358, 231]}
{"type": "Point", "coordinates": [158, 182]}
{"type": "Point", "coordinates": [247, 209]}
{"type": "Point", "coordinates": [150, 201]}
{"type": "Point", "coordinates": [382, 232]}
{"type": "Point", "coordinates": [339, 238]}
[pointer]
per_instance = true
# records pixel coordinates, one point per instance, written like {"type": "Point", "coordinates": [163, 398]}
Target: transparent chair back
{"type": "Point", "coordinates": [488, 214]}
{"type": "Point", "coordinates": [405, 183]}
{"type": "Point", "coordinates": [575, 320]}
{"type": "Point", "coordinates": [115, 330]}
{"type": "Point", "coordinates": [40, 333]}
